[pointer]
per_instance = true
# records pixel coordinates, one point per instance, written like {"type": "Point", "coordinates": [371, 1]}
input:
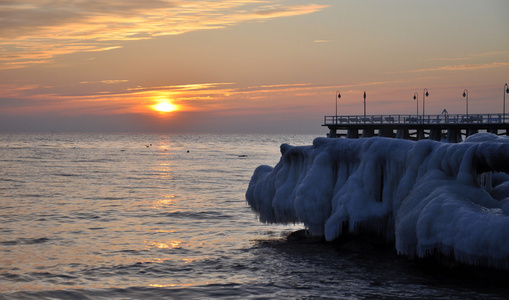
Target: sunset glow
{"type": "Point", "coordinates": [165, 106]}
{"type": "Point", "coordinates": [243, 66]}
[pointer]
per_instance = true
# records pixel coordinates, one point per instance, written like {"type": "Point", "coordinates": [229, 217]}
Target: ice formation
{"type": "Point", "coordinates": [426, 197]}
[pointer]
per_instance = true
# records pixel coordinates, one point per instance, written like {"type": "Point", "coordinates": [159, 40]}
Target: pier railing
{"type": "Point", "coordinates": [413, 119]}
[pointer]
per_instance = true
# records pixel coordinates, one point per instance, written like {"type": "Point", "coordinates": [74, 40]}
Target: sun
{"type": "Point", "coordinates": [164, 106]}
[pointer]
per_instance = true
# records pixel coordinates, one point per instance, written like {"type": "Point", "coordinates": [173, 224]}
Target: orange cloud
{"type": "Point", "coordinates": [473, 56]}
{"type": "Point", "coordinates": [112, 97]}
{"type": "Point", "coordinates": [190, 97]}
{"type": "Point", "coordinates": [464, 67]}
{"type": "Point", "coordinates": [35, 31]}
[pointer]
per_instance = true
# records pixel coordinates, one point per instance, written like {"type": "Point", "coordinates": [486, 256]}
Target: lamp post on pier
{"type": "Point", "coordinates": [506, 90]}
{"type": "Point", "coordinates": [424, 95]}
{"type": "Point", "coordinates": [416, 97]}
{"type": "Point", "coordinates": [338, 95]}
{"type": "Point", "coordinates": [364, 106]}
{"type": "Point", "coordinates": [465, 94]}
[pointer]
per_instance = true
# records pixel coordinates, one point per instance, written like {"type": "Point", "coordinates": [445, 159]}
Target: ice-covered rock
{"type": "Point", "coordinates": [425, 197]}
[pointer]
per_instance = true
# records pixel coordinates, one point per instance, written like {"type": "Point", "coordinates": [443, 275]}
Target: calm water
{"type": "Point", "coordinates": [164, 216]}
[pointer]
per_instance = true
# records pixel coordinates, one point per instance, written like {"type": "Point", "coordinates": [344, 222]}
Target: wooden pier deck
{"type": "Point", "coordinates": [435, 127]}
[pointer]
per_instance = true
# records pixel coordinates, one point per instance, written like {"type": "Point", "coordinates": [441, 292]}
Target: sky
{"type": "Point", "coordinates": [236, 66]}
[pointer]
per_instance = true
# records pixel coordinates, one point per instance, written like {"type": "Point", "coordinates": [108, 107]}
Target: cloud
{"type": "Point", "coordinates": [18, 90]}
{"type": "Point", "coordinates": [214, 96]}
{"type": "Point", "coordinates": [472, 56]}
{"type": "Point", "coordinates": [477, 57]}
{"type": "Point", "coordinates": [276, 12]}
{"type": "Point", "coordinates": [107, 81]}
{"type": "Point", "coordinates": [22, 64]}
{"type": "Point", "coordinates": [464, 67]}
{"type": "Point", "coordinates": [107, 97]}
{"type": "Point", "coordinates": [114, 81]}
{"type": "Point", "coordinates": [36, 31]}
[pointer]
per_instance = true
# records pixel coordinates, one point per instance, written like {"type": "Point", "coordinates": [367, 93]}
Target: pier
{"type": "Point", "coordinates": [450, 127]}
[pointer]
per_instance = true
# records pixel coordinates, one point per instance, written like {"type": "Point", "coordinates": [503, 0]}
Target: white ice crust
{"type": "Point", "coordinates": [426, 197]}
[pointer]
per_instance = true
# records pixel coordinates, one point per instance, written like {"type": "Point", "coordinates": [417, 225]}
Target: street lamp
{"type": "Point", "coordinates": [424, 95]}
{"type": "Point", "coordinates": [338, 95]}
{"type": "Point", "coordinates": [416, 97]}
{"type": "Point", "coordinates": [506, 90]}
{"type": "Point", "coordinates": [364, 106]}
{"type": "Point", "coordinates": [465, 94]}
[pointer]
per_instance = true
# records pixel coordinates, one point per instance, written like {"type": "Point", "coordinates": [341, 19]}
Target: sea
{"type": "Point", "coordinates": [164, 216]}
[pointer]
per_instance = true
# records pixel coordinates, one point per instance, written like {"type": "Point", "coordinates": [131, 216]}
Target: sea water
{"type": "Point", "coordinates": [102, 216]}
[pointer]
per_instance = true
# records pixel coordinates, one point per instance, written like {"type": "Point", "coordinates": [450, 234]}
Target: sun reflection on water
{"type": "Point", "coordinates": [191, 260]}
{"type": "Point", "coordinates": [168, 245]}
{"type": "Point", "coordinates": [165, 203]}
{"type": "Point", "coordinates": [179, 285]}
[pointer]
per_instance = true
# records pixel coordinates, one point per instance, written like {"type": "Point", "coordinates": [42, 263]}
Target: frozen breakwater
{"type": "Point", "coordinates": [426, 197]}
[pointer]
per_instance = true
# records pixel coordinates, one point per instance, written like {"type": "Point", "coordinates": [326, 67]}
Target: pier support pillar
{"type": "Point", "coordinates": [352, 134]}
{"type": "Point", "coordinates": [420, 134]}
{"type": "Point", "coordinates": [454, 135]}
{"type": "Point", "coordinates": [386, 132]}
{"type": "Point", "coordinates": [435, 134]}
{"type": "Point", "coordinates": [402, 134]}
{"type": "Point", "coordinates": [332, 133]}
{"type": "Point", "coordinates": [368, 132]}
{"type": "Point", "coordinates": [471, 132]}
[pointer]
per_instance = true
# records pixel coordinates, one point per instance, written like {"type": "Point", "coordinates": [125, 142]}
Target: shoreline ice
{"type": "Point", "coordinates": [425, 197]}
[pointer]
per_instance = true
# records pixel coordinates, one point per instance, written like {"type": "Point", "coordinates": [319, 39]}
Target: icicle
{"type": "Point", "coordinates": [485, 181]}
